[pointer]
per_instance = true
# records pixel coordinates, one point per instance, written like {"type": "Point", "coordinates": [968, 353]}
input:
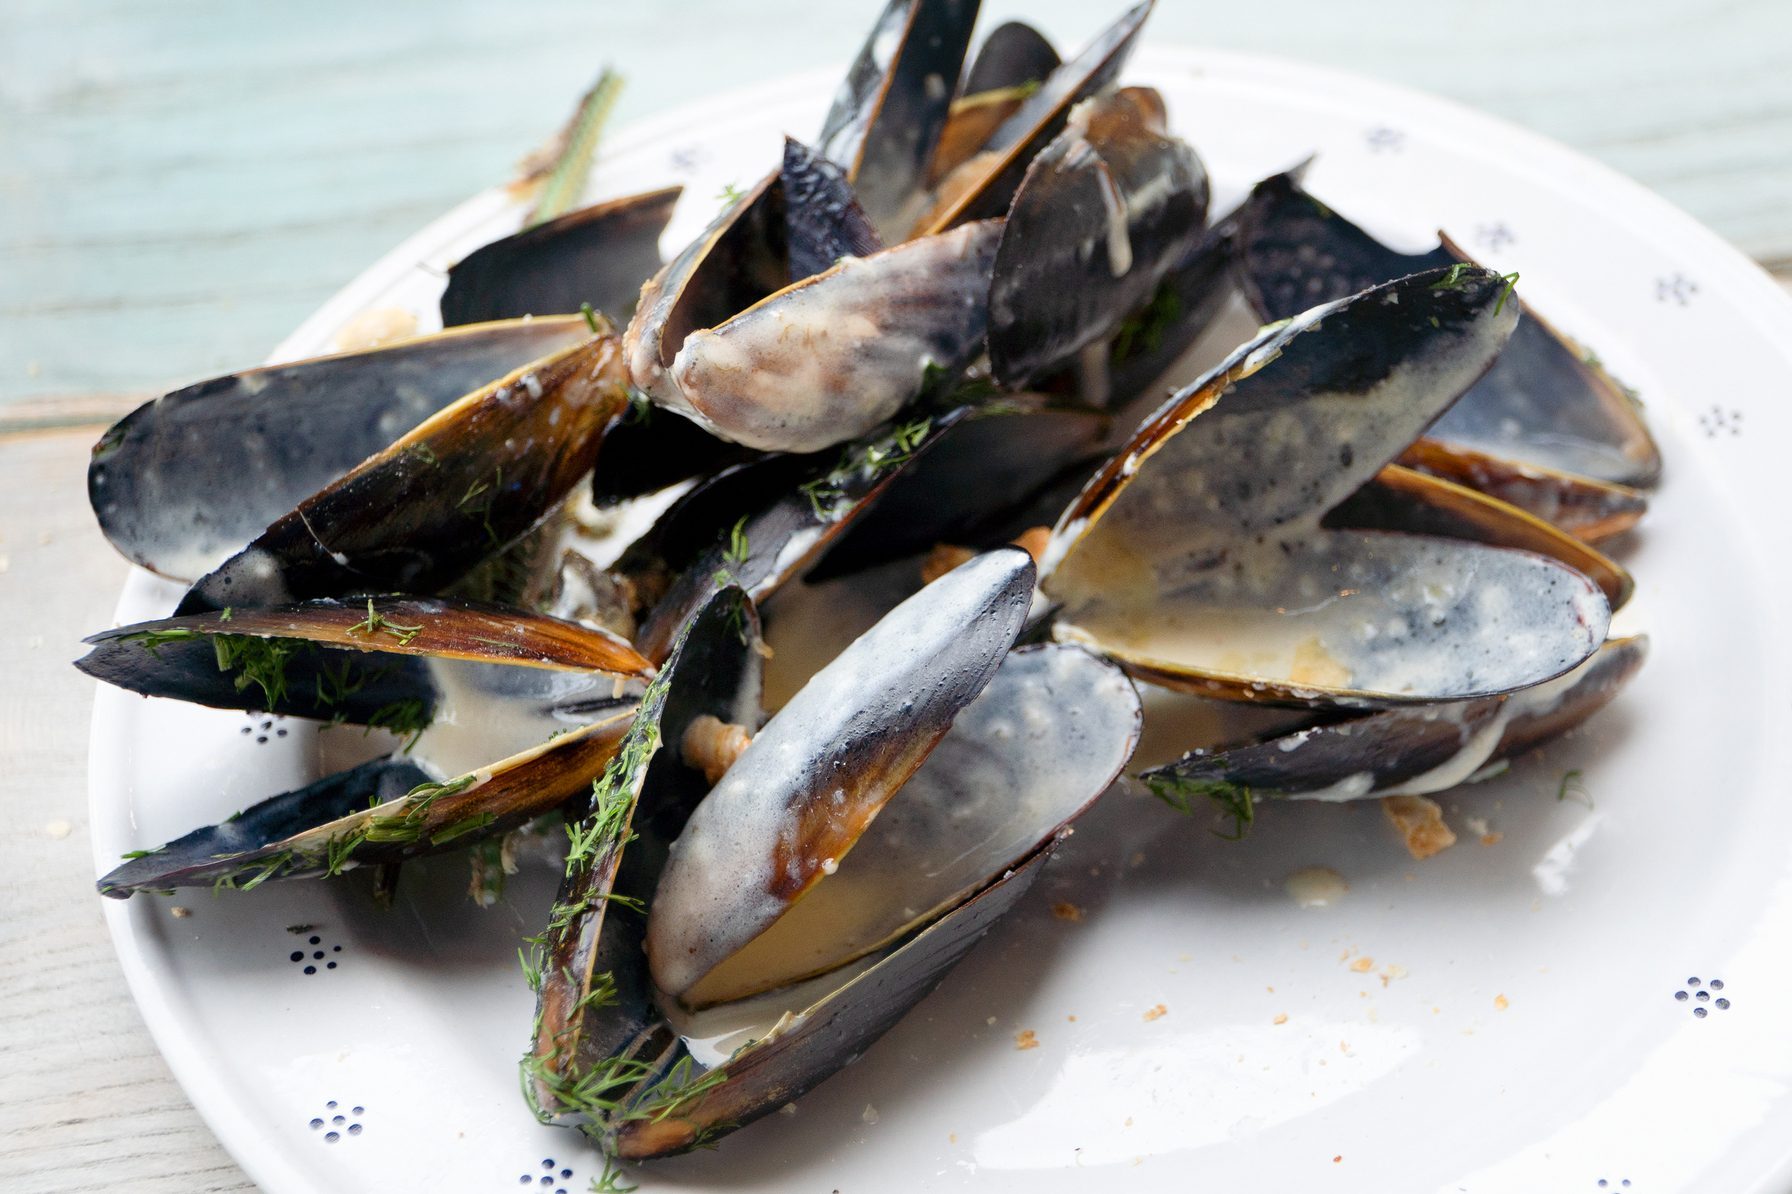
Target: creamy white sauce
{"type": "Point", "coordinates": [719, 889]}
{"type": "Point", "coordinates": [828, 359]}
{"type": "Point", "coordinates": [1051, 731]}
{"type": "Point", "coordinates": [488, 712]}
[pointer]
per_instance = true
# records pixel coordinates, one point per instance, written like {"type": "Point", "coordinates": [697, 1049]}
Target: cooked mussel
{"type": "Point", "coordinates": [272, 436]}
{"type": "Point", "coordinates": [508, 715]}
{"type": "Point", "coordinates": [1104, 212]}
{"type": "Point", "coordinates": [811, 897]}
{"type": "Point", "coordinates": [452, 491]}
{"type": "Point", "coordinates": [597, 256]}
{"type": "Point", "coordinates": [1545, 401]}
{"type": "Point", "coordinates": [1197, 558]}
{"type": "Point", "coordinates": [1412, 750]}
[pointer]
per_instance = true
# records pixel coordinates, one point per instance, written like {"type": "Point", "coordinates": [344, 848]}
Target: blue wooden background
{"type": "Point", "coordinates": [181, 181]}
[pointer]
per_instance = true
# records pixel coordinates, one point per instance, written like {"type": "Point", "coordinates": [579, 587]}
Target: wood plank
{"type": "Point", "coordinates": [180, 185]}
{"type": "Point", "coordinates": [88, 1103]}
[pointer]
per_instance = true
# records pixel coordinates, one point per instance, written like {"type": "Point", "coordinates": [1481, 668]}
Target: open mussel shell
{"type": "Point", "coordinates": [1103, 213]}
{"type": "Point", "coordinates": [618, 845]}
{"type": "Point", "coordinates": [1590, 510]}
{"type": "Point", "coordinates": [334, 660]}
{"type": "Point", "coordinates": [508, 713]}
{"type": "Point", "coordinates": [1545, 401]}
{"type": "Point", "coordinates": [891, 109]}
{"type": "Point", "coordinates": [1415, 750]}
{"type": "Point", "coordinates": [829, 358]}
{"type": "Point", "coordinates": [1402, 499]}
{"type": "Point", "coordinates": [982, 186]}
{"type": "Point", "coordinates": [835, 754]}
{"type": "Point", "coordinates": [1196, 554]}
{"type": "Point", "coordinates": [1011, 64]}
{"type": "Point", "coordinates": [185, 481]}
{"type": "Point", "coordinates": [449, 493]}
{"type": "Point", "coordinates": [1014, 54]}
{"type": "Point", "coordinates": [598, 255]}
{"type": "Point", "coordinates": [796, 508]}
{"type": "Point", "coordinates": [951, 851]}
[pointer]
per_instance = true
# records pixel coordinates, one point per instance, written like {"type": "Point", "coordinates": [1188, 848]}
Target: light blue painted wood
{"type": "Point", "coordinates": [181, 182]}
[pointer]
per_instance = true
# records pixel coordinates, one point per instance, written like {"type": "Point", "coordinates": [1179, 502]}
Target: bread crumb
{"type": "Point", "coordinates": [1026, 1038]}
{"type": "Point", "coordinates": [943, 559]}
{"type": "Point", "coordinates": [1281, 1018]}
{"type": "Point", "coordinates": [1390, 972]}
{"type": "Point", "coordinates": [1492, 839]}
{"type": "Point", "coordinates": [180, 912]}
{"type": "Point", "coordinates": [1421, 824]}
{"type": "Point", "coordinates": [1156, 1012]}
{"type": "Point", "coordinates": [1065, 910]}
{"type": "Point", "coordinates": [1501, 1003]}
{"type": "Point", "coordinates": [951, 1137]}
{"type": "Point", "coordinates": [1072, 1019]}
{"type": "Point", "coordinates": [58, 829]}
{"type": "Point", "coordinates": [1363, 965]}
{"type": "Point", "coordinates": [1337, 1158]}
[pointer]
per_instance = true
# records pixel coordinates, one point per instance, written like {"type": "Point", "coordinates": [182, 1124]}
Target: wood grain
{"type": "Point", "coordinates": [181, 184]}
{"type": "Point", "coordinates": [86, 1102]}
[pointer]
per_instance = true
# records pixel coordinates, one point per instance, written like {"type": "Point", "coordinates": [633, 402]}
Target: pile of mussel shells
{"type": "Point", "coordinates": [899, 412]}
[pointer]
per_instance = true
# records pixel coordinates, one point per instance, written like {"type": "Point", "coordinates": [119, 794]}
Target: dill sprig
{"type": "Point", "coordinates": [154, 640]}
{"type": "Point", "coordinates": [1573, 788]}
{"type": "Point", "coordinates": [1511, 281]}
{"type": "Point", "coordinates": [377, 623]}
{"type": "Point", "coordinates": [1183, 793]}
{"type": "Point", "coordinates": [258, 661]}
{"type": "Point", "coordinates": [407, 717]}
{"type": "Point", "coordinates": [865, 462]}
{"type": "Point", "coordinates": [1143, 330]}
{"type": "Point", "coordinates": [610, 1180]}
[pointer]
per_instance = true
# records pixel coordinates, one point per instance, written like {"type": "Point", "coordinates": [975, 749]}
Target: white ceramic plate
{"type": "Point", "coordinates": [1537, 1013]}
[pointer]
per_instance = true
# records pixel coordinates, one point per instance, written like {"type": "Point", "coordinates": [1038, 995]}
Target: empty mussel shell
{"type": "Point", "coordinates": [1196, 555]}
{"type": "Point", "coordinates": [1414, 750]}
{"type": "Point", "coordinates": [452, 491]}
{"type": "Point", "coordinates": [599, 255]}
{"type": "Point", "coordinates": [1545, 401]}
{"type": "Point", "coordinates": [509, 714]}
{"type": "Point", "coordinates": [186, 481]}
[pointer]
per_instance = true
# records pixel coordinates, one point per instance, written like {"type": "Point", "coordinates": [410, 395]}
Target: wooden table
{"type": "Point", "coordinates": [180, 185]}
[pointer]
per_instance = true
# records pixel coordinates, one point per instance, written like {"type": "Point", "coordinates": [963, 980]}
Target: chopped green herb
{"type": "Point", "coordinates": [1453, 278]}
{"type": "Point", "coordinates": [259, 661]}
{"type": "Point", "coordinates": [1143, 331]}
{"type": "Point", "coordinates": [729, 195]}
{"type": "Point", "coordinates": [462, 827]}
{"type": "Point", "coordinates": [375, 623]}
{"type": "Point", "coordinates": [407, 717]}
{"type": "Point", "coordinates": [590, 315]}
{"type": "Point", "coordinates": [1183, 793]}
{"type": "Point", "coordinates": [134, 855]}
{"type": "Point", "coordinates": [865, 461]}
{"type": "Point", "coordinates": [1573, 789]}
{"type": "Point", "coordinates": [610, 1181]}
{"type": "Point", "coordinates": [154, 640]}
{"type": "Point", "coordinates": [1511, 280]}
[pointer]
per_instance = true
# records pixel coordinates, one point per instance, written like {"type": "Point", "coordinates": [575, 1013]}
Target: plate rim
{"type": "Point", "coordinates": [1758, 295]}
